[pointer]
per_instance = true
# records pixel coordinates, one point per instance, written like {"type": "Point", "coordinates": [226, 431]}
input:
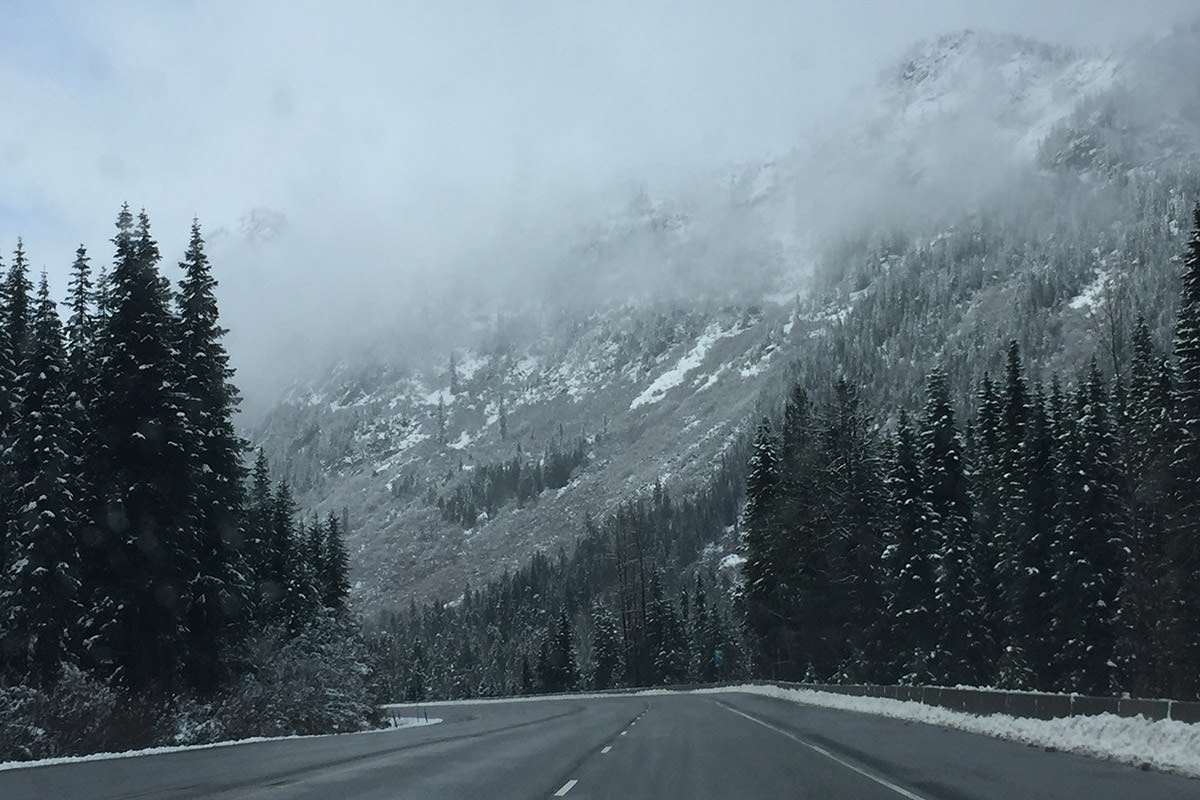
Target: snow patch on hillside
{"type": "Point", "coordinates": [676, 375]}
{"type": "Point", "coordinates": [1092, 293]}
{"type": "Point", "coordinates": [436, 396]}
{"type": "Point", "coordinates": [463, 441]}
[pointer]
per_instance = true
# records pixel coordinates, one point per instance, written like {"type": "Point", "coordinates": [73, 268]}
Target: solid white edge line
{"type": "Point", "coordinates": [900, 790]}
{"type": "Point", "coordinates": [566, 787]}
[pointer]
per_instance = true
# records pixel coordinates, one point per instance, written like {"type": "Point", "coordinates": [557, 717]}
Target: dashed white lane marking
{"type": "Point", "coordinates": [606, 749]}
{"type": "Point", "coordinates": [900, 790]}
{"type": "Point", "coordinates": [624, 732]}
{"type": "Point", "coordinates": [566, 787]}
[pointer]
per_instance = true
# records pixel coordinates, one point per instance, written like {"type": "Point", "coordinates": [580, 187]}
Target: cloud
{"type": "Point", "coordinates": [378, 149]}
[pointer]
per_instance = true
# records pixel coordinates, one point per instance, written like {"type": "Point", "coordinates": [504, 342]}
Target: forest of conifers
{"type": "Point", "coordinates": [1049, 541]}
{"type": "Point", "coordinates": [1043, 534]}
{"type": "Point", "coordinates": [140, 563]}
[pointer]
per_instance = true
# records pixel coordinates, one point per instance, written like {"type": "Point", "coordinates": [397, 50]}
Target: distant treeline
{"type": "Point", "coordinates": [619, 611]}
{"type": "Point", "coordinates": [492, 486]}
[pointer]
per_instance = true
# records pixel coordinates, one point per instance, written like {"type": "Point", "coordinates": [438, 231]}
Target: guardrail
{"type": "Point", "coordinates": [1017, 704]}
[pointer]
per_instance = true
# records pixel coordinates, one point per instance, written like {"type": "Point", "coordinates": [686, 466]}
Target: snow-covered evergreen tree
{"type": "Point", "coordinates": [960, 631]}
{"type": "Point", "coordinates": [15, 293]}
{"type": "Point", "coordinates": [1012, 588]}
{"type": "Point", "coordinates": [1183, 543]}
{"type": "Point", "coordinates": [606, 650]}
{"type": "Point", "coordinates": [1041, 495]}
{"type": "Point", "coordinates": [850, 601]}
{"type": "Point", "coordinates": [1088, 544]}
{"type": "Point", "coordinates": [665, 636]}
{"type": "Point", "coordinates": [1146, 441]}
{"type": "Point", "coordinates": [259, 536]}
{"type": "Point", "coordinates": [43, 610]}
{"type": "Point", "coordinates": [335, 562]}
{"type": "Point", "coordinates": [762, 546]}
{"type": "Point", "coordinates": [908, 560]}
{"type": "Point", "coordinates": [145, 463]}
{"type": "Point", "coordinates": [217, 592]}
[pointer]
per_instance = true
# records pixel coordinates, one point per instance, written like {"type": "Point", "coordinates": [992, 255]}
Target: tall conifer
{"type": "Point", "coordinates": [44, 613]}
{"type": "Point", "coordinates": [145, 465]}
{"type": "Point", "coordinates": [1183, 541]}
{"type": "Point", "coordinates": [218, 590]}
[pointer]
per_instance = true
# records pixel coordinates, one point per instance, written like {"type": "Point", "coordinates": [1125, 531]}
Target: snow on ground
{"type": "Point", "coordinates": [1166, 745]}
{"type": "Point", "coordinates": [690, 361]}
{"type": "Point", "coordinates": [395, 723]}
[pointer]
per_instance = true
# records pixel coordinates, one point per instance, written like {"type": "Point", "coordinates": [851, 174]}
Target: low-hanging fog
{"type": "Point", "coordinates": [358, 165]}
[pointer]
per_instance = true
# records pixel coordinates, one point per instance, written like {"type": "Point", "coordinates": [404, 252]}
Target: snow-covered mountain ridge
{"type": "Point", "coordinates": [651, 339]}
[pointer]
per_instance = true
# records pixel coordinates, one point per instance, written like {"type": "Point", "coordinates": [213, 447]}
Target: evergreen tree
{"type": "Point", "coordinates": [441, 421]}
{"type": "Point", "coordinates": [802, 542]}
{"type": "Point", "coordinates": [18, 292]}
{"type": "Point", "coordinates": [852, 485]}
{"type": "Point", "coordinates": [664, 636]}
{"type": "Point", "coordinates": [1183, 541]}
{"type": "Point", "coordinates": [1035, 616]}
{"type": "Point", "coordinates": [14, 334]}
{"type": "Point", "coordinates": [1013, 589]}
{"type": "Point", "coordinates": [703, 635]}
{"type": "Point", "coordinates": [145, 465]}
{"type": "Point", "coordinates": [81, 327]}
{"type": "Point", "coordinates": [1087, 547]}
{"type": "Point", "coordinates": [1144, 646]}
{"type": "Point", "coordinates": [260, 537]}
{"type": "Point", "coordinates": [562, 656]}
{"type": "Point", "coordinates": [43, 610]}
{"type": "Point", "coordinates": [985, 464]}
{"type": "Point", "coordinates": [527, 683]}
{"type": "Point", "coordinates": [761, 541]}
{"type": "Point", "coordinates": [289, 582]}
{"type": "Point", "coordinates": [8, 396]}
{"type": "Point", "coordinates": [81, 353]}
{"type": "Point", "coordinates": [908, 559]}
{"type": "Point", "coordinates": [335, 577]}
{"type": "Point", "coordinates": [606, 650]}
{"type": "Point", "coordinates": [218, 590]}
{"type": "Point", "coordinates": [960, 632]}
{"type": "Point", "coordinates": [547, 679]}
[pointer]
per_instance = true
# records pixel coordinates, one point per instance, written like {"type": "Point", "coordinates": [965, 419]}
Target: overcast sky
{"type": "Point", "coordinates": [399, 135]}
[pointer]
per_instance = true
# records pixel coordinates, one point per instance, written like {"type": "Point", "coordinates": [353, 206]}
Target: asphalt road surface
{"type": "Point", "coordinates": [727, 746]}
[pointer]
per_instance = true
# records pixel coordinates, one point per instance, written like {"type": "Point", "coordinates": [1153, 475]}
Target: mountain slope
{"type": "Point", "coordinates": [986, 187]}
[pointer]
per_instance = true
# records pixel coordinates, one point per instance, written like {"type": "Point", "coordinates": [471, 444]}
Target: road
{"type": "Point", "coordinates": [728, 745]}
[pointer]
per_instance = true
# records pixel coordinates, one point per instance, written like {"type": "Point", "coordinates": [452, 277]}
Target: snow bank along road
{"type": "Point", "coordinates": [720, 745]}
